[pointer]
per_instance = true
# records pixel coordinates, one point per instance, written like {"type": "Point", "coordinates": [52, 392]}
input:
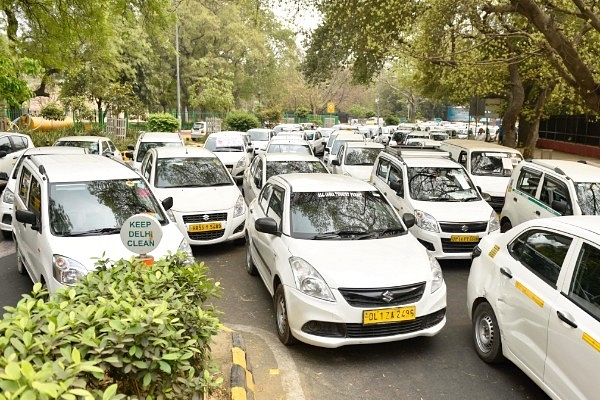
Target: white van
{"type": "Point", "coordinates": [451, 215]}
{"type": "Point", "coordinates": [489, 164]}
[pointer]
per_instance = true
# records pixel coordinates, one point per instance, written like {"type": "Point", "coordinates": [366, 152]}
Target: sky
{"type": "Point", "coordinates": [296, 20]}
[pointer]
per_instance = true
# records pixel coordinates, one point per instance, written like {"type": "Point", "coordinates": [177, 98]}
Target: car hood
{"type": "Point", "coordinates": [397, 261]}
{"type": "Point", "coordinates": [230, 157]}
{"type": "Point", "coordinates": [492, 185]}
{"type": "Point", "coordinates": [200, 199]}
{"type": "Point", "coordinates": [88, 249]}
{"type": "Point", "coordinates": [362, 172]}
{"type": "Point", "coordinates": [459, 211]}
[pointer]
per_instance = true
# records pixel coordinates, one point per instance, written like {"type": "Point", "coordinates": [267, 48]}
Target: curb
{"type": "Point", "coordinates": [242, 380]}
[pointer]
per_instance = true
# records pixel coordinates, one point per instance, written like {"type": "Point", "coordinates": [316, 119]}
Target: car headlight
{"type": "Point", "coordinates": [437, 279]}
{"type": "Point", "coordinates": [309, 281]}
{"type": "Point", "coordinates": [426, 221]}
{"type": "Point", "coordinates": [185, 247]}
{"type": "Point", "coordinates": [8, 196]}
{"type": "Point", "coordinates": [494, 222]}
{"type": "Point", "coordinates": [240, 207]}
{"type": "Point", "coordinates": [171, 215]}
{"type": "Point", "coordinates": [241, 163]}
{"type": "Point", "coordinates": [66, 270]}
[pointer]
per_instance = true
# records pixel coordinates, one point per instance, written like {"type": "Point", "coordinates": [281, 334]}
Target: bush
{"type": "Point", "coordinates": [391, 120]}
{"type": "Point", "coordinates": [124, 330]}
{"type": "Point", "coordinates": [53, 111]}
{"type": "Point", "coordinates": [162, 122]}
{"type": "Point", "coordinates": [241, 121]}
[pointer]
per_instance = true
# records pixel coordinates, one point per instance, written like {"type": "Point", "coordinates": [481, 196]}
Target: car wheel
{"type": "Point", "coordinates": [7, 235]}
{"type": "Point", "coordinates": [20, 265]}
{"type": "Point", "coordinates": [486, 334]}
{"type": "Point", "coordinates": [281, 318]}
{"type": "Point", "coordinates": [250, 267]}
{"type": "Point", "coordinates": [505, 226]}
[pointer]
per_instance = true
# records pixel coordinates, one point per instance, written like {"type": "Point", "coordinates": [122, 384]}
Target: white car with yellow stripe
{"type": "Point", "coordinates": [533, 296]}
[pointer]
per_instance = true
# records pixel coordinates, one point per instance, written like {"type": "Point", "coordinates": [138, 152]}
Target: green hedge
{"type": "Point", "coordinates": [125, 331]}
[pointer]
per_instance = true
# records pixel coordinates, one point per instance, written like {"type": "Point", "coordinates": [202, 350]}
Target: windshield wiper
{"type": "Point", "coordinates": [354, 235]}
{"type": "Point", "coordinates": [389, 231]}
{"type": "Point", "coordinates": [470, 198]}
{"type": "Point", "coordinates": [99, 231]}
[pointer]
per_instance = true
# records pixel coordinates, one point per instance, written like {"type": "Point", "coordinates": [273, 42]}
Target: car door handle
{"type": "Point", "coordinates": [506, 272]}
{"type": "Point", "coordinates": [566, 320]}
{"type": "Point", "coordinates": [537, 213]}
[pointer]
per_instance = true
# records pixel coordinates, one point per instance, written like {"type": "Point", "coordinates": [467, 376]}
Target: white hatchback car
{"type": "Point", "coordinates": [149, 140]}
{"type": "Point", "coordinates": [69, 210]}
{"type": "Point", "coordinates": [12, 145]}
{"type": "Point", "coordinates": [259, 137]}
{"type": "Point", "coordinates": [234, 149]}
{"type": "Point", "coordinates": [533, 295]}
{"type": "Point", "coordinates": [8, 195]}
{"type": "Point", "coordinates": [356, 159]}
{"type": "Point", "coordinates": [266, 165]}
{"type": "Point", "coordinates": [340, 263]}
{"type": "Point", "coordinates": [207, 204]}
{"type": "Point", "coordinates": [93, 144]}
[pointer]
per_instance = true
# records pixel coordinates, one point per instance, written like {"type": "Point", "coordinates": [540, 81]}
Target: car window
{"type": "Point", "coordinates": [24, 185]}
{"type": "Point", "coordinates": [362, 156]}
{"type": "Point", "coordinates": [588, 197]}
{"type": "Point", "coordinates": [553, 192]}
{"type": "Point", "coordinates": [5, 144]}
{"type": "Point", "coordinates": [383, 168]}
{"type": "Point", "coordinates": [257, 174]}
{"type": "Point", "coordinates": [179, 172]}
{"type": "Point", "coordinates": [395, 175]}
{"type": "Point", "coordinates": [34, 202]}
{"type": "Point", "coordinates": [275, 209]}
{"type": "Point", "coordinates": [263, 197]}
{"type": "Point", "coordinates": [528, 181]}
{"type": "Point", "coordinates": [147, 167]}
{"type": "Point", "coordinates": [493, 163]}
{"type": "Point", "coordinates": [441, 184]}
{"type": "Point", "coordinates": [19, 143]}
{"type": "Point", "coordinates": [585, 285]}
{"type": "Point", "coordinates": [290, 167]}
{"type": "Point", "coordinates": [541, 252]}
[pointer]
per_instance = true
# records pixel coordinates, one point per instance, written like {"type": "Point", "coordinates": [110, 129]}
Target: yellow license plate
{"type": "Point", "coordinates": [212, 226]}
{"type": "Point", "coordinates": [464, 238]}
{"type": "Point", "coordinates": [389, 315]}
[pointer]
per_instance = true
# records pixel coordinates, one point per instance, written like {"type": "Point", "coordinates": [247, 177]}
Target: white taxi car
{"type": "Point", "coordinates": [340, 263]}
{"type": "Point", "coordinates": [69, 210]}
{"type": "Point", "coordinates": [207, 204]}
{"type": "Point", "coordinates": [234, 149]}
{"type": "Point", "coordinates": [533, 295]}
{"type": "Point", "coordinates": [93, 144]}
{"type": "Point", "coordinates": [356, 159]}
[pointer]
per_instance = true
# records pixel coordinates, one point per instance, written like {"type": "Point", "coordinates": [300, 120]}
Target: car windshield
{"type": "Point", "coordinates": [262, 136]}
{"type": "Point", "coordinates": [290, 167]}
{"type": "Point", "coordinates": [92, 147]}
{"type": "Point", "coordinates": [588, 197]}
{"type": "Point", "coordinates": [99, 207]}
{"type": "Point", "coordinates": [309, 135]}
{"type": "Point", "coordinates": [190, 172]}
{"type": "Point", "coordinates": [145, 146]}
{"type": "Point", "coordinates": [331, 139]}
{"type": "Point", "coordinates": [224, 144]}
{"type": "Point", "coordinates": [343, 215]}
{"type": "Point", "coordinates": [338, 143]}
{"type": "Point", "coordinates": [441, 184]}
{"type": "Point", "coordinates": [361, 156]}
{"type": "Point", "coordinates": [288, 148]}
{"type": "Point", "coordinates": [493, 163]}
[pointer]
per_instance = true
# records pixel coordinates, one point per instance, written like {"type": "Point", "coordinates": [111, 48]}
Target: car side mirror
{"type": "Point", "coordinates": [408, 219]}
{"type": "Point", "coordinates": [266, 225]}
{"type": "Point", "coordinates": [335, 161]}
{"type": "Point", "coordinates": [3, 176]}
{"type": "Point", "coordinates": [397, 187]}
{"type": "Point", "coordinates": [27, 217]}
{"type": "Point", "coordinates": [167, 203]}
{"type": "Point", "coordinates": [3, 154]}
{"type": "Point", "coordinates": [484, 196]}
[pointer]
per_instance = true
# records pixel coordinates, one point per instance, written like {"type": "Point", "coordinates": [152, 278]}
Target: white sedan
{"type": "Point", "coordinates": [533, 295]}
{"type": "Point", "coordinates": [266, 165]}
{"type": "Point", "coordinates": [207, 204]}
{"type": "Point", "coordinates": [340, 263]}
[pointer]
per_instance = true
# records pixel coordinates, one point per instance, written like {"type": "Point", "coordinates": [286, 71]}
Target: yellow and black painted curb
{"type": "Point", "coordinates": [242, 380]}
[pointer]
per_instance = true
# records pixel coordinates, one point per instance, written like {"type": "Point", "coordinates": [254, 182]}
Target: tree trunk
{"type": "Point", "coordinates": [533, 131]}
{"type": "Point", "coordinates": [516, 98]}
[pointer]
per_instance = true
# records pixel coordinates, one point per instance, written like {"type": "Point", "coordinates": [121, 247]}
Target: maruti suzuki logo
{"type": "Point", "coordinates": [387, 296]}
{"type": "Point", "coordinates": [464, 228]}
{"type": "Point", "coordinates": [206, 217]}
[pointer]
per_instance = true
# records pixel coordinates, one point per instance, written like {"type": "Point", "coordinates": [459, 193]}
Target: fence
{"type": "Point", "coordinates": [580, 129]}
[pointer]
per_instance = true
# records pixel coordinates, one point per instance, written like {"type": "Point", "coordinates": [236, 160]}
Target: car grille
{"type": "Point", "coordinates": [463, 227]}
{"type": "Point", "coordinates": [207, 217]}
{"type": "Point", "coordinates": [457, 247]}
{"type": "Point", "coordinates": [395, 328]}
{"type": "Point", "coordinates": [375, 297]}
{"type": "Point", "coordinates": [209, 235]}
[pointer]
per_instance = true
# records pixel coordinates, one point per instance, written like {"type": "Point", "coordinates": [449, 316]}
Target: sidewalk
{"type": "Point", "coordinates": [559, 155]}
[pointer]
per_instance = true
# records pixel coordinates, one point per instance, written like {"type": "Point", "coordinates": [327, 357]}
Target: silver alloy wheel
{"type": "Point", "coordinates": [281, 315]}
{"type": "Point", "coordinates": [250, 267]}
{"type": "Point", "coordinates": [485, 333]}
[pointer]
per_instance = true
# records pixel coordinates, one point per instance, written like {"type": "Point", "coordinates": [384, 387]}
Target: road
{"type": "Point", "coordinates": [442, 367]}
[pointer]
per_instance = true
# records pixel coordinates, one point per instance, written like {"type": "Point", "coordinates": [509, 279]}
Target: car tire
{"type": "Point", "coordinates": [20, 265]}
{"type": "Point", "coordinates": [7, 235]}
{"type": "Point", "coordinates": [250, 266]}
{"type": "Point", "coordinates": [486, 334]}
{"type": "Point", "coordinates": [505, 226]}
{"type": "Point", "coordinates": [281, 317]}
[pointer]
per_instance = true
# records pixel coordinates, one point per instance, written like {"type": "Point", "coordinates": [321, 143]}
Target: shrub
{"type": "Point", "coordinates": [241, 121]}
{"type": "Point", "coordinates": [124, 330]}
{"type": "Point", "coordinates": [391, 120]}
{"type": "Point", "coordinates": [53, 111]}
{"type": "Point", "coordinates": [162, 122]}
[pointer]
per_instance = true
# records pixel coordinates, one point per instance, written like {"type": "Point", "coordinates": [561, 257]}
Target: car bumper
{"type": "Point", "coordinates": [6, 216]}
{"type": "Point", "coordinates": [441, 245]}
{"type": "Point", "coordinates": [231, 228]}
{"type": "Point", "coordinates": [304, 311]}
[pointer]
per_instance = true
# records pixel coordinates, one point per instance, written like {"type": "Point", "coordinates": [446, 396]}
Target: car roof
{"type": "Point", "coordinates": [365, 145]}
{"type": "Point", "coordinates": [160, 136]}
{"type": "Point", "coordinates": [81, 138]}
{"type": "Point", "coordinates": [480, 145]}
{"type": "Point", "coordinates": [345, 135]}
{"type": "Point", "coordinates": [227, 133]}
{"type": "Point", "coordinates": [181, 151]}
{"type": "Point", "coordinates": [287, 157]}
{"type": "Point", "coordinates": [15, 134]}
{"type": "Point", "coordinates": [288, 140]}
{"type": "Point", "coordinates": [587, 223]}
{"type": "Point", "coordinates": [577, 171]}
{"type": "Point", "coordinates": [307, 182]}
{"type": "Point", "coordinates": [55, 150]}
{"type": "Point", "coordinates": [81, 167]}
{"type": "Point", "coordinates": [441, 162]}
{"type": "Point", "coordinates": [259, 130]}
